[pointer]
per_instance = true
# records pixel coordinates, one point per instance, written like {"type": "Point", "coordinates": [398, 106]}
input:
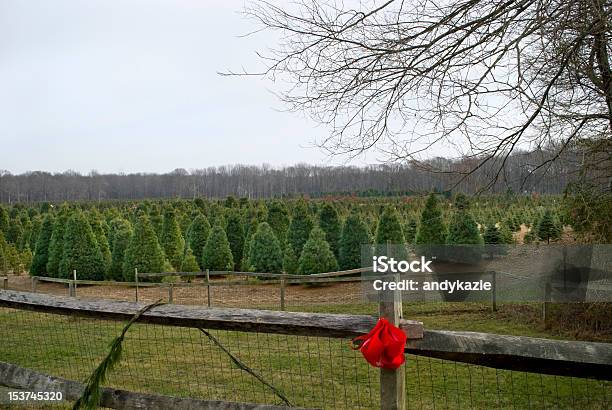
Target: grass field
{"type": "Point", "coordinates": [315, 372]}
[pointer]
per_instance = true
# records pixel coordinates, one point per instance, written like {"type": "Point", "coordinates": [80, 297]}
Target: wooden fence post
{"type": "Point", "coordinates": [494, 291]}
{"type": "Point", "coordinates": [392, 382]}
{"type": "Point", "coordinates": [74, 278]}
{"type": "Point", "coordinates": [34, 284]}
{"type": "Point", "coordinates": [170, 293]}
{"type": "Point", "coordinates": [5, 283]}
{"type": "Point", "coordinates": [282, 293]}
{"type": "Point", "coordinates": [208, 287]}
{"type": "Point", "coordinates": [71, 289]}
{"type": "Point", "coordinates": [136, 279]}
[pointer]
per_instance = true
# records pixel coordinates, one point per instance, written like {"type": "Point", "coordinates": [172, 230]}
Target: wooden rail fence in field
{"type": "Point", "coordinates": [522, 354]}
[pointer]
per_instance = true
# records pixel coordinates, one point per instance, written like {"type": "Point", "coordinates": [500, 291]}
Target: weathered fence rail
{"type": "Point", "coordinates": [29, 380]}
{"type": "Point", "coordinates": [557, 357]}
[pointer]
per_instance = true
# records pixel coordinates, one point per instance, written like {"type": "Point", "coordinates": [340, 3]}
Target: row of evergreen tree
{"type": "Point", "coordinates": [111, 240]}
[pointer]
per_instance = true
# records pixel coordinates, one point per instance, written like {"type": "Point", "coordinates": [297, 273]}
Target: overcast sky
{"type": "Point", "coordinates": [132, 85]}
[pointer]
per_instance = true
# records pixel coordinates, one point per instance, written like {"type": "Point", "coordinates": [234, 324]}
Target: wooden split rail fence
{"type": "Point", "coordinates": [554, 357]}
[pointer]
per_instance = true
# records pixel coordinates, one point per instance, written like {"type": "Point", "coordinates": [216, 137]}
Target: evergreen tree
{"type": "Point", "coordinates": [235, 236]}
{"type": "Point", "coordinates": [316, 256]}
{"type": "Point", "coordinates": [329, 222]}
{"type": "Point", "coordinates": [389, 231]}
{"type": "Point", "coordinates": [26, 258]}
{"type": "Point", "coordinates": [278, 219]}
{"type": "Point", "coordinates": [354, 236]}
{"type": "Point", "coordinates": [41, 251]}
{"type": "Point", "coordinates": [190, 264]}
{"type": "Point", "coordinates": [36, 227]}
{"type": "Point", "coordinates": [15, 232]}
{"type": "Point", "coordinates": [410, 230]}
{"type": "Point", "coordinates": [492, 235]}
{"type": "Point", "coordinates": [266, 253]}
{"type": "Point", "coordinates": [199, 230]}
{"type": "Point", "coordinates": [4, 221]}
{"type": "Point", "coordinates": [56, 244]}
{"type": "Point", "coordinates": [157, 221]}
{"type": "Point", "coordinates": [26, 234]}
{"type": "Point", "coordinates": [3, 258]}
{"type": "Point", "coordinates": [463, 230]}
{"type": "Point", "coordinates": [290, 262]}
{"type": "Point", "coordinates": [548, 227]}
{"type": "Point", "coordinates": [144, 251]}
{"type": "Point", "coordinates": [122, 234]}
{"type": "Point", "coordinates": [95, 221]}
{"type": "Point", "coordinates": [432, 230]}
{"type": "Point", "coordinates": [81, 251]}
{"type": "Point", "coordinates": [250, 231]}
{"type": "Point", "coordinates": [171, 239]}
{"type": "Point", "coordinates": [217, 254]}
{"type": "Point", "coordinates": [13, 259]}
{"type": "Point", "coordinates": [299, 227]}
{"type": "Point", "coordinates": [231, 202]}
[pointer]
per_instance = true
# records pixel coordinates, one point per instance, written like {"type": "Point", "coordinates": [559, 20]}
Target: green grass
{"type": "Point", "coordinates": [315, 372]}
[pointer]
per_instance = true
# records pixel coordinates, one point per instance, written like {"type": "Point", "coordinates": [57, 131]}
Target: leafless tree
{"type": "Point", "coordinates": [409, 77]}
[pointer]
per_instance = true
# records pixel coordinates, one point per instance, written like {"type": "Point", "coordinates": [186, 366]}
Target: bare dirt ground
{"type": "Point", "coordinates": [259, 295]}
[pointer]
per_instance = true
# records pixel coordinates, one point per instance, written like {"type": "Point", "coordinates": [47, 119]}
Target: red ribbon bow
{"type": "Point", "coordinates": [384, 346]}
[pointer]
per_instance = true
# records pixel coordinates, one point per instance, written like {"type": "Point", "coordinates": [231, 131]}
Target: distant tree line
{"type": "Point", "coordinates": [521, 175]}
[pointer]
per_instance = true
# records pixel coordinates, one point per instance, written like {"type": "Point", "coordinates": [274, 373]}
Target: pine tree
{"type": "Point", "coordinates": [492, 235]}
{"type": "Point", "coordinates": [548, 227]}
{"type": "Point", "coordinates": [157, 221]}
{"type": "Point", "coordinates": [26, 258]}
{"type": "Point", "coordinates": [329, 222]}
{"type": "Point", "coordinates": [389, 232]}
{"type": "Point", "coordinates": [245, 264]}
{"type": "Point", "coordinates": [13, 259]}
{"type": "Point", "coordinates": [36, 227]}
{"type": "Point", "coordinates": [316, 256]}
{"type": "Point", "coordinates": [354, 238]}
{"type": "Point", "coordinates": [121, 232]}
{"type": "Point", "coordinates": [217, 254]}
{"type": "Point", "coordinates": [4, 221]}
{"type": "Point", "coordinates": [290, 262]}
{"type": "Point", "coordinates": [266, 254]}
{"type": "Point", "coordinates": [95, 221]}
{"type": "Point", "coordinates": [410, 230]}
{"type": "Point", "coordinates": [41, 253]}
{"type": "Point", "coordinates": [198, 233]}
{"type": "Point", "coordinates": [278, 219]}
{"type": "Point", "coordinates": [81, 251]}
{"type": "Point", "coordinates": [300, 227]}
{"type": "Point", "coordinates": [463, 230]}
{"type": "Point", "coordinates": [235, 236]}
{"type": "Point", "coordinates": [432, 230]}
{"type": "Point", "coordinates": [190, 264]}
{"type": "Point", "coordinates": [144, 251]}
{"type": "Point", "coordinates": [3, 258]}
{"type": "Point", "coordinates": [56, 244]}
{"type": "Point", "coordinates": [26, 234]}
{"type": "Point", "coordinates": [15, 232]}
{"type": "Point", "coordinates": [171, 239]}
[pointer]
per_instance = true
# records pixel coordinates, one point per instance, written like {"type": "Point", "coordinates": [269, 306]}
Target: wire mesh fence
{"type": "Point", "coordinates": [314, 372]}
{"type": "Point", "coordinates": [310, 371]}
{"type": "Point", "coordinates": [229, 291]}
